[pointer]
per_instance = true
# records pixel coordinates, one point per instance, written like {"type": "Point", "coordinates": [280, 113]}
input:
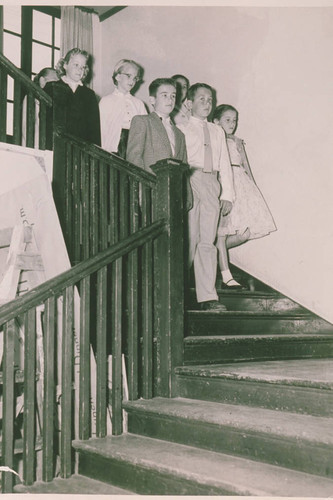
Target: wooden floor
{"type": "Point", "coordinates": [74, 485]}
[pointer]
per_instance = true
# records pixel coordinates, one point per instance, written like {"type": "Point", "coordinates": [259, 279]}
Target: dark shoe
{"type": "Point", "coordinates": [227, 286]}
{"type": "Point", "coordinates": [212, 305]}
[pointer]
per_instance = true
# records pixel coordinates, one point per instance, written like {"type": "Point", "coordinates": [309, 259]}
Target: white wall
{"type": "Point", "coordinates": [275, 65]}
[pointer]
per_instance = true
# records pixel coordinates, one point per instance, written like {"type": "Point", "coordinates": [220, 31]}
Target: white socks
{"type": "Point", "coordinates": [228, 279]}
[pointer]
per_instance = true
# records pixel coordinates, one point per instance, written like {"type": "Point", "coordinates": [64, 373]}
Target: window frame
{"type": "Point", "coordinates": [27, 40]}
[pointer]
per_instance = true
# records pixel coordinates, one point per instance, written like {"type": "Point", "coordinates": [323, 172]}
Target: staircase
{"type": "Point", "coordinates": [252, 416]}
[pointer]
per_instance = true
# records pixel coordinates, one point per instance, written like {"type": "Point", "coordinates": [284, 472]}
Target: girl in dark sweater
{"type": "Point", "coordinates": [75, 108]}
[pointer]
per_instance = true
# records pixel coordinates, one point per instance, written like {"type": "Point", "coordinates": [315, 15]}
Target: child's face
{"type": "Point", "coordinates": [202, 103]}
{"type": "Point", "coordinates": [228, 121]}
{"type": "Point", "coordinates": [76, 67]}
{"type": "Point", "coordinates": [183, 87]}
{"type": "Point", "coordinates": [127, 78]}
{"type": "Point", "coordinates": [51, 76]}
{"type": "Point", "coordinates": [165, 99]}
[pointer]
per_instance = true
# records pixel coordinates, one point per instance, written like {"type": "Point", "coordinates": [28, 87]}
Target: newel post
{"type": "Point", "coordinates": [169, 274]}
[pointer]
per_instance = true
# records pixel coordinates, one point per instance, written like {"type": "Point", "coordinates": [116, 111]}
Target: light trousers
{"type": "Point", "coordinates": [203, 221]}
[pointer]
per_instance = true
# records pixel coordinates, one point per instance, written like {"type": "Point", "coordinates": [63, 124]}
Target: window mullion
{"type": "Point", "coordinates": [26, 45]}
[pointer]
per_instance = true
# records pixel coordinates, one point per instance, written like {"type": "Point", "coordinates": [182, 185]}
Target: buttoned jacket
{"type": "Point", "coordinates": [148, 142]}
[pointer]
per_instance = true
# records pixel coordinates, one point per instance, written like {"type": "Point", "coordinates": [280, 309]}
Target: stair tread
{"type": "Point", "coordinates": [222, 338]}
{"type": "Point", "coordinates": [238, 475]}
{"type": "Point", "coordinates": [245, 293]}
{"type": "Point", "coordinates": [281, 424]}
{"type": "Point", "coordinates": [74, 485]}
{"type": "Point", "coordinates": [317, 373]}
{"type": "Point", "coordinates": [264, 314]}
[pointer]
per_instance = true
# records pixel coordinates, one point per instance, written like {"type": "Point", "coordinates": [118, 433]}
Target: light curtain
{"type": "Point", "coordinates": [77, 31]}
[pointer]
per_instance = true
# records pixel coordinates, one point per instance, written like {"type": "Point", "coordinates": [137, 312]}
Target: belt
{"type": "Point", "coordinates": [215, 172]}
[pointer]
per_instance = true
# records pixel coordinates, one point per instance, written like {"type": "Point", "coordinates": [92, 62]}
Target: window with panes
{"type": "Point", "coordinates": [31, 41]}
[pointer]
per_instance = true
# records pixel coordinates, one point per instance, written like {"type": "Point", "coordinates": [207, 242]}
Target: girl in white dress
{"type": "Point", "coordinates": [250, 217]}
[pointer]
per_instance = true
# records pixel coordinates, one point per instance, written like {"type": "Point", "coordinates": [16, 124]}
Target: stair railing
{"type": "Point", "coordinates": [101, 199]}
{"type": "Point", "coordinates": [126, 300]}
{"type": "Point", "coordinates": [37, 101]}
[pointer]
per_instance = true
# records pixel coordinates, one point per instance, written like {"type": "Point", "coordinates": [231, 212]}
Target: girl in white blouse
{"type": "Point", "coordinates": [118, 108]}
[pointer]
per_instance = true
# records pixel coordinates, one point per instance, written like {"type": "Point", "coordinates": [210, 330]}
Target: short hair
{"type": "Point", "coordinates": [176, 77]}
{"type": "Point", "coordinates": [65, 60]}
{"type": "Point", "coordinates": [156, 84]}
{"type": "Point", "coordinates": [221, 109]}
{"type": "Point", "coordinates": [43, 73]}
{"type": "Point", "coordinates": [195, 87]}
{"type": "Point", "coordinates": [120, 66]}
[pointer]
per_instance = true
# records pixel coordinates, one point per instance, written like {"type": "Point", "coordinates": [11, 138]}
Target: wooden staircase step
{"type": "Point", "coordinates": [303, 386]}
{"type": "Point", "coordinates": [254, 322]}
{"type": "Point", "coordinates": [75, 484]}
{"type": "Point", "coordinates": [154, 467]}
{"type": "Point", "coordinates": [246, 300]}
{"type": "Point", "coordinates": [233, 348]}
{"type": "Point", "coordinates": [300, 442]}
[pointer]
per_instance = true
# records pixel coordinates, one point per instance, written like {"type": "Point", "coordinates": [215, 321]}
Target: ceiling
{"type": "Point", "coordinates": [105, 11]}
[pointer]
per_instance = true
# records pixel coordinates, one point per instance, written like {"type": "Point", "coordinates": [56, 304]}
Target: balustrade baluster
{"type": "Point", "coordinates": [49, 322]}
{"type": "Point", "coordinates": [85, 183]}
{"type": "Point", "coordinates": [66, 216]}
{"type": "Point", "coordinates": [114, 205]}
{"type": "Point", "coordinates": [101, 355]}
{"type": "Point", "coordinates": [94, 206]}
{"type": "Point", "coordinates": [132, 298]}
{"type": "Point", "coordinates": [42, 126]}
{"type": "Point", "coordinates": [103, 206]}
{"type": "Point", "coordinates": [29, 415]}
{"type": "Point", "coordinates": [17, 125]}
{"type": "Point", "coordinates": [67, 383]}
{"type": "Point", "coordinates": [76, 228]}
{"type": "Point", "coordinates": [117, 426]}
{"type": "Point", "coordinates": [3, 105]}
{"type": "Point", "coordinates": [8, 412]}
{"type": "Point", "coordinates": [84, 390]}
{"type": "Point", "coordinates": [147, 301]}
{"type": "Point", "coordinates": [123, 204]}
{"type": "Point", "coordinates": [30, 121]}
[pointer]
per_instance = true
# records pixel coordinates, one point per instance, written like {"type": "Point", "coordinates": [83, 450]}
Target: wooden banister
{"type": "Point", "coordinates": [28, 84]}
{"type": "Point", "coordinates": [100, 154]}
{"type": "Point", "coordinates": [125, 231]}
{"type": "Point", "coordinates": [55, 286]}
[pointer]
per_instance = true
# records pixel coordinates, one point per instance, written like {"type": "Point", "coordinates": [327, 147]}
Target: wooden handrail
{"type": "Point", "coordinates": [15, 72]}
{"type": "Point", "coordinates": [97, 152]}
{"type": "Point", "coordinates": [56, 285]}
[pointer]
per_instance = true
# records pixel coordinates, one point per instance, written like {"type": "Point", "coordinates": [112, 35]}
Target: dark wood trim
{"type": "Point", "coordinates": [111, 12]}
{"type": "Point", "coordinates": [30, 86]}
{"type": "Point", "coordinates": [52, 11]}
{"type": "Point", "coordinates": [1, 28]}
{"type": "Point", "coordinates": [26, 41]}
{"type": "Point", "coordinates": [100, 154]}
{"type": "Point", "coordinates": [169, 274]}
{"type": "Point", "coordinates": [55, 286]}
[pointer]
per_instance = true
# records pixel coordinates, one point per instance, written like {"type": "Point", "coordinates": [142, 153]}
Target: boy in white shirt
{"type": "Point", "coordinates": [209, 161]}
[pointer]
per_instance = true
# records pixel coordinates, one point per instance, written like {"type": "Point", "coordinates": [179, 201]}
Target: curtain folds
{"type": "Point", "coordinates": [77, 31]}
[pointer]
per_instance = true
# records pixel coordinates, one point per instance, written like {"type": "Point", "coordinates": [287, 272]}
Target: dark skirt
{"type": "Point", "coordinates": [122, 146]}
